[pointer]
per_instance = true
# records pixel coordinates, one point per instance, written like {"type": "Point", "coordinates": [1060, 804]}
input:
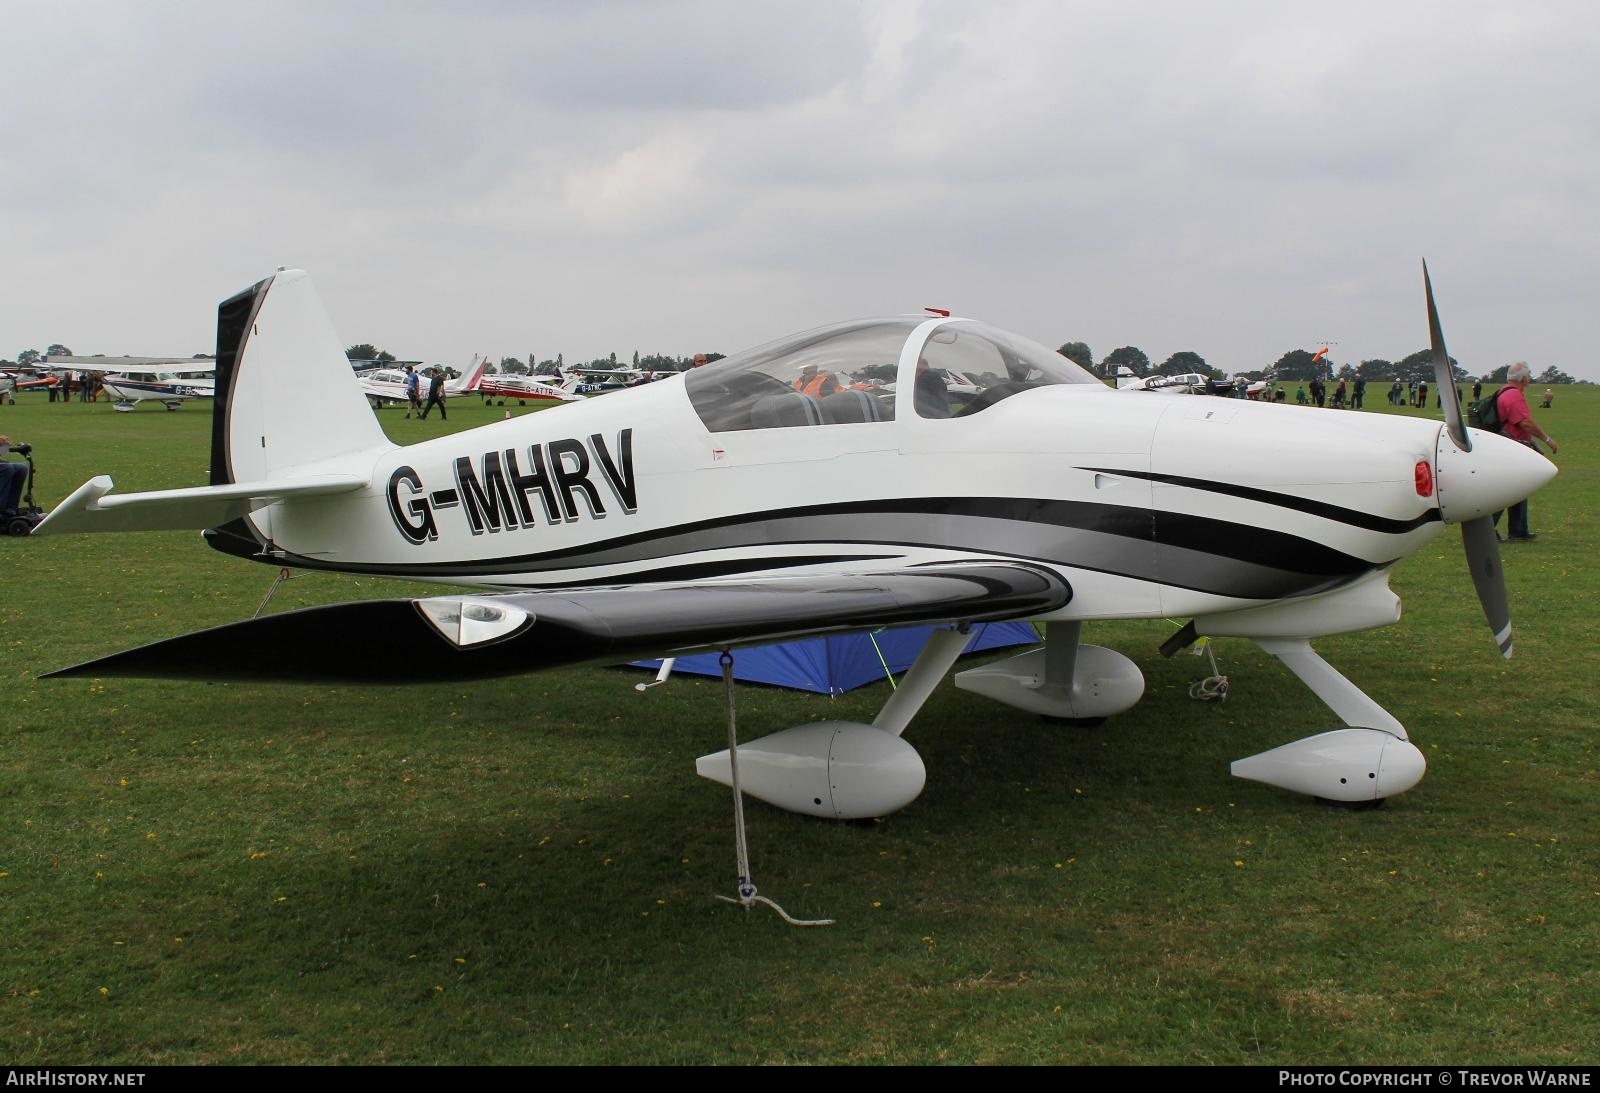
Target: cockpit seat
{"type": "Point", "coordinates": [784, 411]}
{"type": "Point", "coordinates": [849, 407]}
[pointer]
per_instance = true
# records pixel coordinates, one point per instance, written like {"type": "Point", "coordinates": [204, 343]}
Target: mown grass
{"type": "Point", "coordinates": [523, 871]}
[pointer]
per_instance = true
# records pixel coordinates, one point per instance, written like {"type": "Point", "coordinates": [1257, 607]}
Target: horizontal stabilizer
{"type": "Point", "coordinates": [487, 636]}
{"type": "Point", "coordinates": [92, 508]}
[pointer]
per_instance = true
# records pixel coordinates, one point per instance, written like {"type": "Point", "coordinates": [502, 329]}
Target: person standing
{"type": "Point", "coordinates": [1361, 393]}
{"type": "Point", "coordinates": [1517, 423]}
{"type": "Point", "coordinates": [435, 396]}
{"type": "Point", "coordinates": [1477, 389]}
{"type": "Point", "coordinates": [413, 388]}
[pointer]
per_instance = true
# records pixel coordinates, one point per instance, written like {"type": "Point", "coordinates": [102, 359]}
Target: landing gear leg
{"type": "Point", "coordinates": [1366, 762]}
{"type": "Point", "coordinates": [1065, 679]}
{"type": "Point", "coordinates": [845, 770]}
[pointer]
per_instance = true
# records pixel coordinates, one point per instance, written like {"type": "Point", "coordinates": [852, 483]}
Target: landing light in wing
{"type": "Point", "coordinates": [464, 621]}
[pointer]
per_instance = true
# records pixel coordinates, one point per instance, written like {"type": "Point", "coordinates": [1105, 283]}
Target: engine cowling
{"type": "Point", "coordinates": [838, 770]}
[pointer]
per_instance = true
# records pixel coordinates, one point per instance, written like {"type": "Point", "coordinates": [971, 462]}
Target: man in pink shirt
{"type": "Point", "coordinates": [1517, 423]}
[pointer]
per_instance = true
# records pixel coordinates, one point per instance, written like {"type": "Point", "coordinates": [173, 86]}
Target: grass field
{"type": "Point", "coordinates": [523, 871]}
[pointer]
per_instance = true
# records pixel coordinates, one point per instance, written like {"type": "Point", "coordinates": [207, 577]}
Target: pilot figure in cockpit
{"type": "Point", "coordinates": [932, 396]}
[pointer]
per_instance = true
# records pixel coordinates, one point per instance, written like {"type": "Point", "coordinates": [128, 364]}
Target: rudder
{"type": "Point", "coordinates": [286, 397]}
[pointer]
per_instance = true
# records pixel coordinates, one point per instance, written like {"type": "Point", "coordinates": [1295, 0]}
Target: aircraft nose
{"type": "Point", "coordinates": [1496, 474]}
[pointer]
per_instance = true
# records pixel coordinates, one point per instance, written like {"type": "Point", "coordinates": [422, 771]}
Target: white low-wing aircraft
{"type": "Point", "coordinates": [389, 384]}
{"type": "Point", "coordinates": [530, 388]}
{"type": "Point", "coordinates": [723, 507]}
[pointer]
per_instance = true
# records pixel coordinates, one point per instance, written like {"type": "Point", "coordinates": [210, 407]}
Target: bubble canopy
{"type": "Point", "coordinates": [871, 370]}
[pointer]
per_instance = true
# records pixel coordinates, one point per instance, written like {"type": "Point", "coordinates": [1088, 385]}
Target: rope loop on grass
{"type": "Point", "coordinates": [1213, 688]}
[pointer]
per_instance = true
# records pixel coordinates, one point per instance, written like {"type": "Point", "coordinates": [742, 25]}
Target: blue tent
{"type": "Point", "coordinates": [842, 662]}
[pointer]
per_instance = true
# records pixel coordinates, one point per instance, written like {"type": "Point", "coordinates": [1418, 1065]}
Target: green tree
{"type": "Point", "coordinates": [1376, 369]}
{"type": "Point", "coordinates": [1347, 371]}
{"type": "Point", "coordinates": [28, 357]}
{"type": "Point", "coordinates": [1078, 353]}
{"type": "Point", "coordinates": [1498, 375]}
{"type": "Point", "coordinates": [366, 351]}
{"type": "Point", "coordinates": [1298, 364]}
{"type": "Point", "coordinates": [57, 350]}
{"type": "Point", "coordinates": [1419, 366]}
{"type": "Point", "coordinates": [1553, 375]}
{"type": "Point", "coordinates": [512, 366]}
{"type": "Point", "coordinates": [1130, 356]}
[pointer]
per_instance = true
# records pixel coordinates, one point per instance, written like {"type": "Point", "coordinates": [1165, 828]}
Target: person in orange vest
{"type": "Point", "coordinates": [814, 383]}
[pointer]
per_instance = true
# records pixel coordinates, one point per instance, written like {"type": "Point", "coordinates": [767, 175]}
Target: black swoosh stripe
{"type": "Point", "coordinates": [1354, 517]}
{"type": "Point", "coordinates": [1174, 549]}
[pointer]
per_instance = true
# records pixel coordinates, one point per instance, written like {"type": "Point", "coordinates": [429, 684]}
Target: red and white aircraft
{"type": "Point", "coordinates": [530, 388]}
{"type": "Point", "coordinates": [722, 507]}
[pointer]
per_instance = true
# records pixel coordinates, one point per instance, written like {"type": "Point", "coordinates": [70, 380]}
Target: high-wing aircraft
{"type": "Point", "coordinates": [170, 381]}
{"type": "Point", "coordinates": [724, 507]}
{"type": "Point", "coordinates": [389, 384]}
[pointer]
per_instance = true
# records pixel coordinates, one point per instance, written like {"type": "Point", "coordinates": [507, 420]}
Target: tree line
{"type": "Point", "coordinates": [1296, 364]}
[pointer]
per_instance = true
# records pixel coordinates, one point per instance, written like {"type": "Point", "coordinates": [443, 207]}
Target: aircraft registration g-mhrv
{"type": "Point", "coordinates": [727, 507]}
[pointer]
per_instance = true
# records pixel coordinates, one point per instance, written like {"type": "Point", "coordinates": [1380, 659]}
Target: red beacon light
{"type": "Point", "coordinates": [1424, 478]}
{"type": "Point", "coordinates": [942, 312]}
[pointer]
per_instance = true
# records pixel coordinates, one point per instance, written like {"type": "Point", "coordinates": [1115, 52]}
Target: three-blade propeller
{"type": "Point", "coordinates": [1477, 535]}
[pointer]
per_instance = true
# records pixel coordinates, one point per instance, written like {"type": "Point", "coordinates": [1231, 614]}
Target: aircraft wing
{"type": "Point", "coordinates": [125, 364]}
{"type": "Point", "coordinates": [89, 508]}
{"type": "Point", "coordinates": [469, 637]}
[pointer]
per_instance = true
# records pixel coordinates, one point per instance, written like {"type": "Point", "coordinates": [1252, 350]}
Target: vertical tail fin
{"type": "Point", "coordinates": [286, 397]}
{"type": "Point", "coordinates": [468, 381]}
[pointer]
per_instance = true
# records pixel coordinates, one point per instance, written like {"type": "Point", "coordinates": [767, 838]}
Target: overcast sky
{"type": "Point", "coordinates": [1238, 179]}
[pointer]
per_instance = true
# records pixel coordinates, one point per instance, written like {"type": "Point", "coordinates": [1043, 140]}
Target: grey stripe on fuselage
{"type": "Point", "coordinates": [1121, 552]}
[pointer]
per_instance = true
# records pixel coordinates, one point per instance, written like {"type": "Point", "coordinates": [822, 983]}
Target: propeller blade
{"type": "Point", "coordinates": [1444, 376]}
{"type": "Point", "coordinates": [1483, 559]}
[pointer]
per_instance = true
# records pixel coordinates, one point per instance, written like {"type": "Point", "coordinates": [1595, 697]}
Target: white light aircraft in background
{"type": "Point", "coordinates": [721, 507]}
{"type": "Point", "coordinates": [170, 381]}
{"type": "Point", "coordinates": [389, 384]}
{"type": "Point", "coordinates": [1188, 383]}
